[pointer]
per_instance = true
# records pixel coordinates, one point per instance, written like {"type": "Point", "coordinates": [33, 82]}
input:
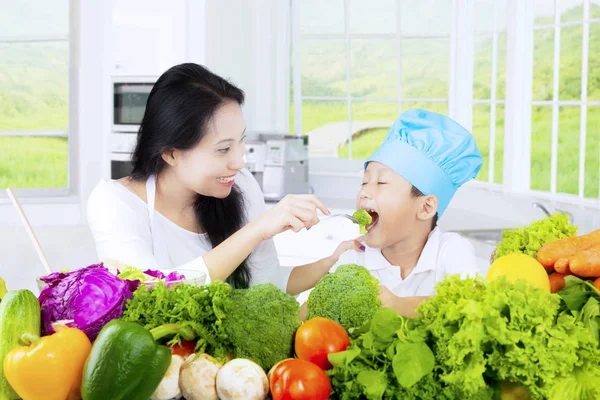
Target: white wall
{"type": "Point", "coordinates": [248, 43]}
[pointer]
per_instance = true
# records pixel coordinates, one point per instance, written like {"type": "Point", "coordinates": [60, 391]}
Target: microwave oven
{"type": "Point", "coordinates": [130, 95]}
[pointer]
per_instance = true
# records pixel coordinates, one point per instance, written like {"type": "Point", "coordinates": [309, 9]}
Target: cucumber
{"type": "Point", "coordinates": [19, 314]}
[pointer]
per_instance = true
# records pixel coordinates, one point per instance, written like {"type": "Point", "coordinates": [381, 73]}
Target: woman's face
{"type": "Point", "coordinates": [210, 166]}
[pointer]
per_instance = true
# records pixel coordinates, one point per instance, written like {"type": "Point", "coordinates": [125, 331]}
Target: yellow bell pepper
{"type": "Point", "coordinates": [48, 368]}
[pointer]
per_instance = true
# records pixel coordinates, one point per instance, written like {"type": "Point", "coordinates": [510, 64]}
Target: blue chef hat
{"type": "Point", "coordinates": [431, 151]}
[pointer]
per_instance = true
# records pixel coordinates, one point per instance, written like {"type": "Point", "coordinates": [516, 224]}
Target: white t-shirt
{"type": "Point", "coordinates": [120, 224]}
{"type": "Point", "coordinates": [444, 253]}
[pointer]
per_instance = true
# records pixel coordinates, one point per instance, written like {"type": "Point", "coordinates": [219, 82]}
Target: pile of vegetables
{"type": "Point", "coordinates": [93, 335]}
{"type": "Point", "coordinates": [470, 339]}
{"type": "Point", "coordinates": [349, 296]}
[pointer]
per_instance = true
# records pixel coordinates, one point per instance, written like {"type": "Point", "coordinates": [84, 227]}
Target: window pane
{"type": "Point", "coordinates": [322, 16]}
{"type": "Point", "coordinates": [543, 61]}
{"type": "Point", "coordinates": [567, 176]}
{"type": "Point", "coordinates": [544, 12]}
{"type": "Point", "coordinates": [594, 63]}
{"type": "Point", "coordinates": [370, 124]}
{"type": "Point", "coordinates": [592, 153]}
{"type": "Point", "coordinates": [425, 17]}
{"type": "Point", "coordinates": [34, 86]}
{"type": "Point", "coordinates": [499, 151]}
{"type": "Point", "coordinates": [570, 10]}
{"type": "Point", "coordinates": [425, 68]}
{"type": "Point", "coordinates": [595, 9]}
{"type": "Point", "coordinates": [326, 123]}
{"type": "Point", "coordinates": [570, 63]}
{"type": "Point", "coordinates": [373, 16]}
{"type": "Point", "coordinates": [323, 67]}
{"type": "Point", "coordinates": [484, 16]}
{"type": "Point", "coordinates": [501, 67]}
{"type": "Point", "coordinates": [481, 132]}
{"type": "Point", "coordinates": [27, 18]}
{"type": "Point", "coordinates": [33, 162]}
{"type": "Point", "coordinates": [482, 72]}
{"type": "Point", "coordinates": [438, 107]}
{"type": "Point", "coordinates": [541, 147]}
{"type": "Point", "coordinates": [373, 68]}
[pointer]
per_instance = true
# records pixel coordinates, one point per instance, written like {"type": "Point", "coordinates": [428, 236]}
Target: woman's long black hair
{"type": "Point", "coordinates": [180, 105]}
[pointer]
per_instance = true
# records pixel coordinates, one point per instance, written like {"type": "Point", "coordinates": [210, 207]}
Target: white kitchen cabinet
{"type": "Point", "coordinates": [147, 37]}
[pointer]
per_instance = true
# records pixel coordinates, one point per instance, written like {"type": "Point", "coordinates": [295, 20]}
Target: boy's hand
{"type": "Point", "coordinates": [388, 299]}
{"type": "Point", "coordinates": [355, 245]}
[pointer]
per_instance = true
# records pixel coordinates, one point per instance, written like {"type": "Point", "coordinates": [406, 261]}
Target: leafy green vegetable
{"type": "Point", "coordinates": [363, 218]}
{"type": "Point", "coordinates": [472, 341]}
{"type": "Point", "coordinates": [582, 300]}
{"type": "Point", "coordinates": [528, 240]}
{"type": "Point", "coordinates": [132, 274]}
{"type": "Point", "coordinates": [578, 385]}
{"type": "Point", "coordinates": [503, 332]}
{"type": "Point", "coordinates": [383, 359]}
{"type": "Point", "coordinates": [197, 307]}
{"type": "Point", "coordinates": [260, 323]}
{"type": "Point", "coordinates": [349, 296]}
{"type": "Point", "coordinates": [411, 362]}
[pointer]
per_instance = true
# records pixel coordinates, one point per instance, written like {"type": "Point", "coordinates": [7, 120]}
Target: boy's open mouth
{"type": "Point", "coordinates": [375, 218]}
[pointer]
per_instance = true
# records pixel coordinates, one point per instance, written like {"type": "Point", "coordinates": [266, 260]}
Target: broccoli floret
{"type": "Point", "coordinates": [261, 323]}
{"type": "Point", "coordinates": [349, 296]}
{"type": "Point", "coordinates": [363, 218]}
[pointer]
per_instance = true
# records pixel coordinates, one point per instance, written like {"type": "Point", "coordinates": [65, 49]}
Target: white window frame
{"type": "Point", "coordinates": [58, 194]}
{"type": "Point", "coordinates": [582, 103]}
{"type": "Point", "coordinates": [343, 165]}
{"type": "Point", "coordinates": [518, 100]}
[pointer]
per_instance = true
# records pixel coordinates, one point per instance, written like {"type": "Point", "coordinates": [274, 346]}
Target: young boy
{"type": "Point", "coordinates": [407, 185]}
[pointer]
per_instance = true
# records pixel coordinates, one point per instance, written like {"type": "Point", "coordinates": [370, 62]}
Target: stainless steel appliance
{"type": "Point", "coordinates": [130, 95]}
{"type": "Point", "coordinates": [279, 163]}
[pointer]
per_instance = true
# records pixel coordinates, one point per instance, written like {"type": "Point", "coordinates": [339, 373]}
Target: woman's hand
{"type": "Point", "coordinates": [293, 212]}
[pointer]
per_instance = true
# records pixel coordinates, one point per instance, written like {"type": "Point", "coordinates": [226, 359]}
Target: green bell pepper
{"type": "Point", "coordinates": [126, 363]}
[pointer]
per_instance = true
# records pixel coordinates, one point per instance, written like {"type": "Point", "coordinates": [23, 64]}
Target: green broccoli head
{"type": "Point", "coordinates": [363, 217]}
{"type": "Point", "coordinates": [261, 323]}
{"type": "Point", "coordinates": [349, 296]}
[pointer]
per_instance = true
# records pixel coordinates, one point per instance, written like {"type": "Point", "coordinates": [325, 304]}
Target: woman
{"type": "Point", "coordinates": [189, 203]}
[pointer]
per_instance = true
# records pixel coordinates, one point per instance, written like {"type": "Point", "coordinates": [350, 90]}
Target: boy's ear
{"type": "Point", "coordinates": [428, 207]}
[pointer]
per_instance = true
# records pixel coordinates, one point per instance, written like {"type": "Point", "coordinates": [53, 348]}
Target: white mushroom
{"type": "Point", "coordinates": [198, 377]}
{"type": "Point", "coordinates": [169, 386]}
{"type": "Point", "coordinates": [242, 379]}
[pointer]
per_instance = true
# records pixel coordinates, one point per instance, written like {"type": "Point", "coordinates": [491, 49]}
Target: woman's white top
{"type": "Point", "coordinates": [129, 231]}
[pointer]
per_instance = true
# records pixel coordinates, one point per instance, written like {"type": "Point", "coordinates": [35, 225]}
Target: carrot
{"type": "Point", "coordinates": [586, 263]}
{"type": "Point", "coordinates": [562, 265]}
{"type": "Point", "coordinates": [566, 248]}
{"type": "Point", "coordinates": [557, 282]}
{"type": "Point", "coordinates": [597, 284]}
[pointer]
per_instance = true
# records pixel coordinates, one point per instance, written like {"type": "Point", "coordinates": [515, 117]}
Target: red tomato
{"type": "Point", "coordinates": [319, 337]}
{"type": "Point", "coordinates": [184, 349]}
{"type": "Point", "coordinates": [299, 380]}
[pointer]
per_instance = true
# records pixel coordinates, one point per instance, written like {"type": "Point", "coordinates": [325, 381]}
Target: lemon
{"type": "Point", "coordinates": [519, 266]}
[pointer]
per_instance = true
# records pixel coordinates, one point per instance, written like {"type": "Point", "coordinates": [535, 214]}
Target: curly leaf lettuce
{"type": "Point", "coordinates": [528, 240]}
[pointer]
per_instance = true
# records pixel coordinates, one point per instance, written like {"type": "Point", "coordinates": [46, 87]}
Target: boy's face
{"type": "Point", "coordinates": [387, 197]}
